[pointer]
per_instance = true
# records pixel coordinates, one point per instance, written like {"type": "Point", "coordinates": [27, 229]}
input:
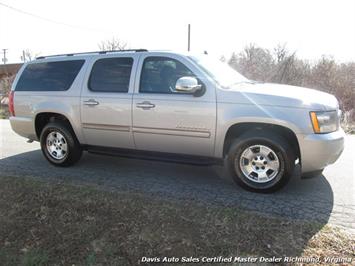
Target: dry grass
{"type": "Point", "coordinates": [348, 128]}
{"type": "Point", "coordinates": [45, 223]}
{"type": "Point", "coordinates": [4, 114]}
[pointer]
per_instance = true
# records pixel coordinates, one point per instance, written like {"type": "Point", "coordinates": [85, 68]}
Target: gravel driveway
{"type": "Point", "coordinates": [327, 198]}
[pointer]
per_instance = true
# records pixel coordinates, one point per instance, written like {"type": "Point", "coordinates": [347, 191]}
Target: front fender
{"type": "Point", "coordinates": [294, 119]}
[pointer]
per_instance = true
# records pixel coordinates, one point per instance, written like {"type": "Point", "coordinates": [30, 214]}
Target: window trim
{"type": "Point", "coordinates": [103, 58]}
{"type": "Point", "coordinates": [164, 93]}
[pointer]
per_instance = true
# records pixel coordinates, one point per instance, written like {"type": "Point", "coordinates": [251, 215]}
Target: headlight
{"type": "Point", "coordinates": [325, 122]}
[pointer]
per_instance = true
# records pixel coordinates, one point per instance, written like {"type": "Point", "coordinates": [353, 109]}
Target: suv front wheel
{"type": "Point", "coordinates": [261, 161]}
{"type": "Point", "coordinates": [59, 144]}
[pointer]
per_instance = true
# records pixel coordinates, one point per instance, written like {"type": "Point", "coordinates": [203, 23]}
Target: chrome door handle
{"type": "Point", "coordinates": [145, 105]}
{"type": "Point", "coordinates": [91, 102]}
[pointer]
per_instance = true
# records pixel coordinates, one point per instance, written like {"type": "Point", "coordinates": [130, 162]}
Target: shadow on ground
{"type": "Point", "coordinates": [302, 199]}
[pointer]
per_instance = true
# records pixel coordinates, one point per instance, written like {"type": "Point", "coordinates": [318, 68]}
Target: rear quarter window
{"type": "Point", "coordinates": [49, 76]}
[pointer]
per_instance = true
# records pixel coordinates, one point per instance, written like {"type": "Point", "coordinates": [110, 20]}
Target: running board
{"type": "Point", "coordinates": [155, 156]}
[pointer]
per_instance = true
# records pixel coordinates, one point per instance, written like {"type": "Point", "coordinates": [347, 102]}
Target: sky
{"type": "Point", "coordinates": [311, 28]}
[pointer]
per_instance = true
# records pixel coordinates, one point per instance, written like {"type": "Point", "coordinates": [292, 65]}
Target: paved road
{"type": "Point", "coordinates": [327, 198]}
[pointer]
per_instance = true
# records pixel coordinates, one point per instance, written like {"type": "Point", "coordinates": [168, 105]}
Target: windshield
{"type": "Point", "coordinates": [219, 71]}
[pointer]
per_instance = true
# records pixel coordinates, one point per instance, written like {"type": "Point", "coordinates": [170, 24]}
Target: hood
{"type": "Point", "coordinates": [278, 95]}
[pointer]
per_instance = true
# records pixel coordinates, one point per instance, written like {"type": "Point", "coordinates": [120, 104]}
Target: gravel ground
{"type": "Point", "coordinates": [327, 198]}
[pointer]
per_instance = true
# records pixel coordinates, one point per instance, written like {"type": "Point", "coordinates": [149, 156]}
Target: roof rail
{"type": "Point", "coordinates": [96, 52]}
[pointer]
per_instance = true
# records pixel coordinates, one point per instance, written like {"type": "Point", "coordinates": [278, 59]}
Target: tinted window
{"type": "Point", "coordinates": [159, 74]}
{"type": "Point", "coordinates": [111, 75]}
{"type": "Point", "coordinates": [49, 76]}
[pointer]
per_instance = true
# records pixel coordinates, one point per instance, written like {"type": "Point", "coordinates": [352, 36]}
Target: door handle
{"type": "Point", "coordinates": [145, 105]}
{"type": "Point", "coordinates": [91, 102]}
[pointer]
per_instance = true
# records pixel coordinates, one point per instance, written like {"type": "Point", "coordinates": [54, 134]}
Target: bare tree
{"type": "Point", "coordinates": [113, 44]}
{"type": "Point", "coordinates": [28, 55]}
{"type": "Point", "coordinates": [286, 65]}
{"type": "Point", "coordinates": [254, 62]}
{"type": "Point", "coordinates": [5, 84]}
{"type": "Point", "coordinates": [280, 52]}
{"type": "Point", "coordinates": [283, 66]}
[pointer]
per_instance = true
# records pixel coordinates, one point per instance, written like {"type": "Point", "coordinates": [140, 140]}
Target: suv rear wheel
{"type": "Point", "coordinates": [59, 144]}
{"type": "Point", "coordinates": [261, 161]}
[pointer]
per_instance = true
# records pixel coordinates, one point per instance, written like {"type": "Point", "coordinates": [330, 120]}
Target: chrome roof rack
{"type": "Point", "coordinates": [96, 52]}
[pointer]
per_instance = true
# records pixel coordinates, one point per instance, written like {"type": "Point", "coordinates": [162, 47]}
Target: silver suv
{"type": "Point", "coordinates": [174, 106]}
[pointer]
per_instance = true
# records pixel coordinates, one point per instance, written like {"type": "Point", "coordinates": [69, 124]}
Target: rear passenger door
{"type": "Point", "coordinates": [106, 101]}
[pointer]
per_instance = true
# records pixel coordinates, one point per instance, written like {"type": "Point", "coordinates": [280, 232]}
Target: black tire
{"type": "Point", "coordinates": [277, 144]}
{"type": "Point", "coordinates": [74, 150]}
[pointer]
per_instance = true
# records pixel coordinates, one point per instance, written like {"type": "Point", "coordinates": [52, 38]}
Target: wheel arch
{"type": "Point", "coordinates": [238, 129]}
{"type": "Point", "coordinates": [43, 118]}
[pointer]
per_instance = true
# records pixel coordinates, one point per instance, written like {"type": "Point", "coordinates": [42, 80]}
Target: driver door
{"type": "Point", "coordinates": [168, 121]}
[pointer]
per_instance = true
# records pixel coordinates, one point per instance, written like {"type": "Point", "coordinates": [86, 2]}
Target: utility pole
{"type": "Point", "coordinates": [188, 37]}
{"type": "Point", "coordinates": [4, 59]}
{"type": "Point", "coordinates": [23, 57]}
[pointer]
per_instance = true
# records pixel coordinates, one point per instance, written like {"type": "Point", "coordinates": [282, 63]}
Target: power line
{"type": "Point", "coordinates": [47, 19]}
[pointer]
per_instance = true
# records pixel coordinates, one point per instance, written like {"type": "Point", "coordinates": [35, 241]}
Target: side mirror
{"type": "Point", "coordinates": [187, 85]}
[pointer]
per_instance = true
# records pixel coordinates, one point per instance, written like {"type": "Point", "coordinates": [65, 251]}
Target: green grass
{"type": "Point", "coordinates": [35, 258]}
{"type": "Point", "coordinates": [44, 223]}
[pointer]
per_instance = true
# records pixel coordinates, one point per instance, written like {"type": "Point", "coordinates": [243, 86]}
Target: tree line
{"type": "Point", "coordinates": [280, 65]}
